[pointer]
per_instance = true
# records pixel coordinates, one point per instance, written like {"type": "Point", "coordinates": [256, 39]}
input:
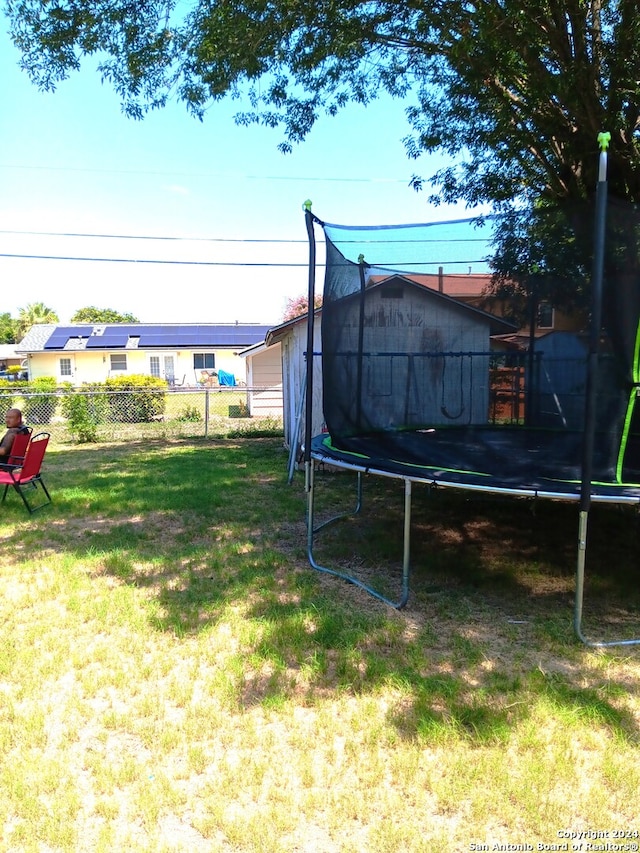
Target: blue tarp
{"type": "Point", "coordinates": [225, 378]}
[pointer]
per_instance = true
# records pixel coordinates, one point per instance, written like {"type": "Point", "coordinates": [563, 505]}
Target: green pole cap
{"type": "Point", "coordinates": [360, 259]}
{"type": "Point", "coordinates": [604, 138]}
{"type": "Point", "coordinates": [306, 205]}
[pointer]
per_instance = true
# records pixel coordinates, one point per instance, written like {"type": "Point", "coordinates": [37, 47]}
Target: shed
{"type": "Point", "coordinates": [264, 380]}
{"type": "Point", "coordinates": [291, 337]}
{"type": "Point", "coordinates": [426, 322]}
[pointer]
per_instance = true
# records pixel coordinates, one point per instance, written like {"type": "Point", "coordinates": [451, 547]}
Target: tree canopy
{"type": "Point", "coordinates": [90, 314]}
{"type": "Point", "coordinates": [515, 92]}
{"type": "Point", "coordinates": [298, 305]}
{"type": "Point", "coordinates": [7, 328]}
{"type": "Point", "coordinates": [34, 312]}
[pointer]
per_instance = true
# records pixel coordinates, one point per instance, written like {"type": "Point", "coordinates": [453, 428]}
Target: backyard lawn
{"type": "Point", "coordinates": [175, 677]}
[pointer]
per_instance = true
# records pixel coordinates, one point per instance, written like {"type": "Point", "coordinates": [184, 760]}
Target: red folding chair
{"type": "Point", "coordinates": [28, 478]}
{"type": "Point", "coordinates": [18, 450]}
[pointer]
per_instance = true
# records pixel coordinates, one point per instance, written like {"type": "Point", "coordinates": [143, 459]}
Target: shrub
{"type": "Point", "coordinates": [7, 396]}
{"type": "Point", "coordinates": [189, 414]}
{"type": "Point", "coordinates": [82, 421]}
{"type": "Point", "coordinates": [140, 399]}
{"type": "Point", "coordinates": [95, 396]}
{"type": "Point", "coordinates": [40, 400]}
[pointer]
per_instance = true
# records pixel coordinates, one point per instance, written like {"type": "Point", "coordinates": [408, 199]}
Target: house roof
{"type": "Point", "coordinates": [465, 285]}
{"type": "Point", "coordinates": [8, 351]}
{"type": "Point", "coordinates": [460, 286]}
{"type": "Point", "coordinates": [47, 337]}
{"type": "Point", "coordinates": [277, 333]}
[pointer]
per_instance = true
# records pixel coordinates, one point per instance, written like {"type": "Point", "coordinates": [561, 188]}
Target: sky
{"type": "Point", "coordinates": [198, 222]}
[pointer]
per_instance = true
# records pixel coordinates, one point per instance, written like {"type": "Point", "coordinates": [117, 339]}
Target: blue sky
{"type": "Point", "coordinates": [228, 202]}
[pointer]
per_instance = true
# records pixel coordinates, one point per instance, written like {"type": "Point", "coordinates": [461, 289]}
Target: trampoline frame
{"type": "Point", "coordinates": [361, 468]}
{"type": "Point", "coordinates": [586, 497]}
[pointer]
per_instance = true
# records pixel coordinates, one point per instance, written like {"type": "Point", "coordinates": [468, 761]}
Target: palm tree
{"type": "Point", "coordinates": [35, 312]}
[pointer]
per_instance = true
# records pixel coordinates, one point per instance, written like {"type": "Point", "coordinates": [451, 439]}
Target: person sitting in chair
{"type": "Point", "coordinates": [15, 424]}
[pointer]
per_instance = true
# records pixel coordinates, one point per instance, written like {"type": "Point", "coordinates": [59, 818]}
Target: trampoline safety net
{"type": "Point", "coordinates": [415, 379]}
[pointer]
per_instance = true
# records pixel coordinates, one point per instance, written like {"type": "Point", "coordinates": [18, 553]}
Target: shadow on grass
{"type": "Point", "coordinates": [207, 529]}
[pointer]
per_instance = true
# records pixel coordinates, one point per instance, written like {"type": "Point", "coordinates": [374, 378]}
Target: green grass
{"type": "Point", "coordinates": [175, 677]}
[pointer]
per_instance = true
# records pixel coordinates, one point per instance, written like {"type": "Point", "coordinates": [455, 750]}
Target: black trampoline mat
{"type": "Point", "coordinates": [516, 459]}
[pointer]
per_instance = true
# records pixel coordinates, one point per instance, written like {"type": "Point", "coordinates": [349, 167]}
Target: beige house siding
{"type": "Point", "coordinates": [264, 380]}
{"type": "Point", "coordinates": [96, 366]}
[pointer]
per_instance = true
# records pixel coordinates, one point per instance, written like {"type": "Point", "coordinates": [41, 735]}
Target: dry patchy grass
{"type": "Point", "coordinates": [174, 676]}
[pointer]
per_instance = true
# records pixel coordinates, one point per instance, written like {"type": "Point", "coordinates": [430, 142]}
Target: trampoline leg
{"type": "Point", "coordinates": [311, 530]}
{"type": "Point", "coordinates": [579, 597]}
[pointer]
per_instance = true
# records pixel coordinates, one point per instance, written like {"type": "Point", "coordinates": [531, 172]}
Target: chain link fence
{"type": "Point", "coordinates": [77, 415]}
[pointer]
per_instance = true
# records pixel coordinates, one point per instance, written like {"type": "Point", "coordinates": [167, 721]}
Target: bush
{"type": "Point", "coordinates": [40, 400]}
{"type": "Point", "coordinates": [189, 414]}
{"type": "Point", "coordinates": [96, 399]}
{"type": "Point", "coordinates": [142, 398]}
{"type": "Point", "coordinates": [82, 422]}
{"type": "Point", "coordinates": [7, 397]}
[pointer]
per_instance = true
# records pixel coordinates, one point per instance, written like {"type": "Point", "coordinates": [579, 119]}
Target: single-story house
{"type": "Point", "coordinates": [183, 354]}
{"type": "Point", "coordinates": [9, 358]}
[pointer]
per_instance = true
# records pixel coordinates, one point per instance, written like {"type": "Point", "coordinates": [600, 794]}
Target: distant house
{"type": "Point", "coordinates": [183, 354]}
{"type": "Point", "coordinates": [9, 358]}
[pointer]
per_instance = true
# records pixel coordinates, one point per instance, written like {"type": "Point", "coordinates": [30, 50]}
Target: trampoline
{"type": "Point", "coordinates": [413, 385]}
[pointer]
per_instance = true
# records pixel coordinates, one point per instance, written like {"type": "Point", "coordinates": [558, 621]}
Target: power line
{"type": "Point", "coordinates": [389, 264]}
{"type": "Point", "coordinates": [149, 237]}
{"type": "Point", "coordinates": [164, 238]}
{"type": "Point", "coordinates": [151, 261]}
{"type": "Point", "coordinates": [215, 175]}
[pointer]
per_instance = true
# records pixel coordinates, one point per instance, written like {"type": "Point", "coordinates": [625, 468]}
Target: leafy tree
{"type": "Point", "coordinates": [516, 92]}
{"type": "Point", "coordinates": [7, 329]}
{"type": "Point", "coordinates": [101, 315]}
{"type": "Point", "coordinates": [298, 306]}
{"type": "Point", "coordinates": [35, 312]}
{"type": "Point", "coordinates": [543, 254]}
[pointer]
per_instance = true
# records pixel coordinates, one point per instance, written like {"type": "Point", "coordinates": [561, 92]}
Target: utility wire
{"type": "Point", "coordinates": [389, 264]}
{"type": "Point", "coordinates": [215, 175]}
{"type": "Point", "coordinates": [234, 239]}
{"type": "Point", "coordinates": [148, 237]}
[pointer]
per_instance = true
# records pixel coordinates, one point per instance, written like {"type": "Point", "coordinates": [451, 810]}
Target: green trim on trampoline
{"type": "Point", "coordinates": [447, 470]}
{"type": "Point", "coordinates": [328, 443]}
{"type": "Point", "coordinates": [574, 482]}
{"type": "Point", "coordinates": [630, 407]}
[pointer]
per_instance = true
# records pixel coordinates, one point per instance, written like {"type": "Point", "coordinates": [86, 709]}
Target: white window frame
{"type": "Point", "coordinates": [118, 362]}
{"type": "Point", "coordinates": [64, 364]}
{"type": "Point", "coordinates": [211, 356]}
{"type": "Point", "coordinates": [546, 307]}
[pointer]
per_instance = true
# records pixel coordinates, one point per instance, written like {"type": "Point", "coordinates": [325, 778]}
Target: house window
{"type": "Point", "coordinates": [154, 365]}
{"type": "Point", "coordinates": [118, 361]}
{"type": "Point", "coordinates": [65, 367]}
{"type": "Point", "coordinates": [545, 315]}
{"type": "Point", "coordinates": [204, 360]}
{"type": "Point", "coordinates": [392, 293]}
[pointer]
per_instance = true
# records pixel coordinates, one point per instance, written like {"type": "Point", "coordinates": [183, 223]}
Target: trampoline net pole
{"type": "Point", "coordinates": [591, 395]}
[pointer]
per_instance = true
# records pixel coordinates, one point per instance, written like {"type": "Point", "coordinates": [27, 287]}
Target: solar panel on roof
{"type": "Point", "coordinates": [60, 336]}
{"type": "Point", "coordinates": [117, 332]}
{"type": "Point", "coordinates": [102, 341]}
